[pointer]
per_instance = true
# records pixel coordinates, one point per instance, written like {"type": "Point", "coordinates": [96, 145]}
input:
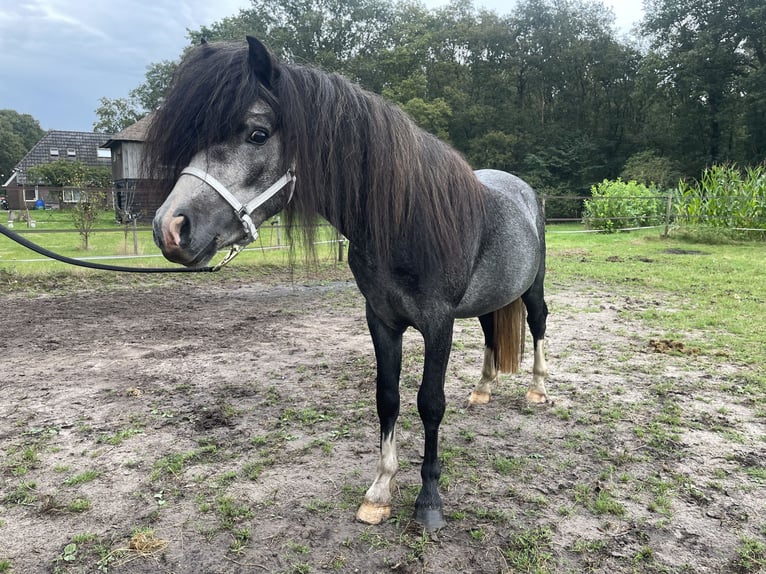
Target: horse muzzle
{"type": "Point", "coordinates": [173, 235]}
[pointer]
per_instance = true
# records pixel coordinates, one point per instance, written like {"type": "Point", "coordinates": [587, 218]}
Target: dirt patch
{"type": "Point", "coordinates": [232, 428]}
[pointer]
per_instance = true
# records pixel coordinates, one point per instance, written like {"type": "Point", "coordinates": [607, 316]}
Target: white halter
{"type": "Point", "coordinates": [245, 211]}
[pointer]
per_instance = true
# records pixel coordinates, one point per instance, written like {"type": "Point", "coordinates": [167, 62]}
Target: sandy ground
{"type": "Point", "coordinates": [233, 425]}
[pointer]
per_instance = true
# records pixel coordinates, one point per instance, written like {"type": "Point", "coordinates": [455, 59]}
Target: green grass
{"type": "Point", "coordinates": [82, 478]}
{"type": "Point", "coordinates": [693, 288]}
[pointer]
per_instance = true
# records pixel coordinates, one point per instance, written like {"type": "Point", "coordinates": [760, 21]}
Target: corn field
{"type": "Point", "coordinates": [725, 197]}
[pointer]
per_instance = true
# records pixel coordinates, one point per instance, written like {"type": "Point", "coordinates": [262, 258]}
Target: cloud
{"type": "Point", "coordinates": [59, 57]}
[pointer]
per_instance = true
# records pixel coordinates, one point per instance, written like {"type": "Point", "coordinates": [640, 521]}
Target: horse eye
{"type": "Point", "coordinates": [258, 137]}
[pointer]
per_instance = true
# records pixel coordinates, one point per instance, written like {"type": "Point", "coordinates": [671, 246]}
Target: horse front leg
{"type": "Point", "coordinates": [387, 342]}
{"type": "Point", "coordinates": [431, 405]}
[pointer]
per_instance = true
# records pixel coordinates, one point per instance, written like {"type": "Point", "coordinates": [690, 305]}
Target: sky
{"type": "Point", "coordinates": [59, 57]}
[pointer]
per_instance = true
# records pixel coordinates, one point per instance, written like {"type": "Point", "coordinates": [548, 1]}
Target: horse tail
{"type": "Point", "coordinates": [510, 331]}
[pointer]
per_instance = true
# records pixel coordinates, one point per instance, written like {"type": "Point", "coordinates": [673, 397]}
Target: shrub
{"type": "Point", "coordinates": [618, 204]}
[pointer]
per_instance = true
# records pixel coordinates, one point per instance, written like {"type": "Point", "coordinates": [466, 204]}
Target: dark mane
{"type": "Point", "coordinates": [361, 163]}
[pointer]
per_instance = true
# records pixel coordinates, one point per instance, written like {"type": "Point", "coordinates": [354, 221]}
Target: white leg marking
{"type": "Point", "coordinates": [377, 501]}
{"type": "Point", "coordinates": [483, 390]}
{"type": "Point", "coordinates": [536, 392]}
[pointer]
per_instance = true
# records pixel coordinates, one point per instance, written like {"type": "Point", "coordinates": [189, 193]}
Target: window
{"type": "Point", "coordinates": [71, 152]}
{"type": "Point", "coordinates": [30, 194]}
{"type": "Point", "coordinates": [55, 151]}
{"type": "Point", "coordinates": [104, 153]}
{"type": "Point", "coordinates": [70, 196]}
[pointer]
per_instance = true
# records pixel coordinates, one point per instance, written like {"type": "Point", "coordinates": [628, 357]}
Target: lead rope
{"type": "Point", "coordinates": [78, 262]}
{"type": "Point", "coordinates": [243, 213]}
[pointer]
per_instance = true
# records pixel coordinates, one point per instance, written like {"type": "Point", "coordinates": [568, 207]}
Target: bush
{"type": "Point", "coordinates": [618, 204]}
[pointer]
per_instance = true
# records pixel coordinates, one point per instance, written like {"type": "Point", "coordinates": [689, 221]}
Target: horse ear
{"type": "Point", "coordinates": [262, 63]}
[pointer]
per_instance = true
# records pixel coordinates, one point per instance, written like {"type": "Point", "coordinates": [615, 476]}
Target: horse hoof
{"type": "Point", "coordinates": [370, 513]}
{"type": "Point", "coordinates": [536, 397]}
{"type": "Point", "coordinates": [478, 398]}
{"type": "Point", "coordinates": [430, 518]}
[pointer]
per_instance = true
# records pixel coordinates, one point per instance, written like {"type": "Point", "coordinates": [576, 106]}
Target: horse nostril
{"type": "Point", "coordinates": [175, 231]}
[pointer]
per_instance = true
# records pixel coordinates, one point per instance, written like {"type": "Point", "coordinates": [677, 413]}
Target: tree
{"type": "Point", "coordinates": [149, 95]}
{"type": "Point", "coordinates": [86, 211]}
{"type": "Point", "coordinates": [705, 55]}
{"type": "Point", "coordinates": [18, 134]}
{"type": "Point", "coordinates": [116, 115]}
{"type": "Point", "coordinates": [66, 173]}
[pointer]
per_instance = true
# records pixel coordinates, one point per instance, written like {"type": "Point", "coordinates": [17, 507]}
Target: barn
{"type": "Point", "coordinates": [134, 197]}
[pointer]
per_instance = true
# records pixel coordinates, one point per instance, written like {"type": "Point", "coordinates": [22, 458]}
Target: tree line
{"type": "Point", "coordinates": [549, 91]}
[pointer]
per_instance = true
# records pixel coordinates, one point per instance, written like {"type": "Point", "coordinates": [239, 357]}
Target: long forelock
{"type": "Point", "coordinates": [208, 98]}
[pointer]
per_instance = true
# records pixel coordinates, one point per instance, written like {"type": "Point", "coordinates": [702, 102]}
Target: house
{"type": "Point", "coordinates": [134, 197]}
{"type": "Point", "coordinates": [84, 147]}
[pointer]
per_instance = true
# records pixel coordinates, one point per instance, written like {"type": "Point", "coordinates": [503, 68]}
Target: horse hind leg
{"type": "Point", "coordinates": [483, 391]}
{"type": "Point", "coordinates": [504, 333]}
{"type": "Point", "coordinates": [537, 313]}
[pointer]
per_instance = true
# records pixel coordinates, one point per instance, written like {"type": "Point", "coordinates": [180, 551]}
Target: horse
{"type": "Point", "coordinates": [242, 136]}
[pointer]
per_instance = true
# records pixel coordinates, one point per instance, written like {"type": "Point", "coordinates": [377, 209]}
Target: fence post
{"type": "Point", "coordinates": [135, 235]}
{"type": "Point", "coordinates": [668, 209]}
{"type": "Point", "coordinates": [341, 244]}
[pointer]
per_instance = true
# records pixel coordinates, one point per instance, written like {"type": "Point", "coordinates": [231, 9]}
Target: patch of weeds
{"type": "Point", "coordinates": [319, 506]}
{"type": "Point", "coordinates": [662, 490]}
{"type": "Point", "coordinates": [563, 413]}
{"type": "Point", "coordinates": [373, 539]}
{"type": "Point", "coordinates": [751, 556]}
{"type": "Point", "coordinates": [659, 436]}
{"type": "Point", "coordinates": [226, 479]}
{"type": "Point", "coordinates": [756, 473]}
{"type": "Point", "coordinates": [79, 505]}
{"type": "Point", "coordinates": [477, 534]}
{"type": "Point", "coordinates": [117, 438]}
{"type": "Point", "coordinates": [467, 435]}
{"type": "Point", "coordinates": [88, 552]}
{"type": "Point", "coordinates": [530, 551]}
{"type": "Point", "coordinates": [23, 494]}
{"type": "Point", "coordinates": [19, 462]}
{"type": "Point", "coordinates": [340, 433]}
{"type": "Point", "coordinates": [491, 515]}
{"type": "Point", "coordinates": [297, 548]}
{"type": "Point", "coordinates": [82, 478]}
{"type": "Point", "coordinates": [509, 465]}
{"type": "Point", "coordinates": [336, 562]}
{"type": "Point", "coordinates": [5, 565]}
{"type": "Point", "coordinates": [352, 495]}
{"type": "Point", "coordinates": [174, 464]}
{"type": "Point", "coordinates": [585, 546]}
{"type": "Point", "coordinates": [644, 555]}
{"type": "Point", "coordinates": [597, 500]}
{"type": "Point", "coordinates": [241, 537]}
{"type": "Point", "coordinates": [307, 417]}
{"type": "Point", "coordinates": [418, 545]}
{"type": "Point", "coordinates": [229, 511]}
{"type": "Point", "coordinates": [253, 469]}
